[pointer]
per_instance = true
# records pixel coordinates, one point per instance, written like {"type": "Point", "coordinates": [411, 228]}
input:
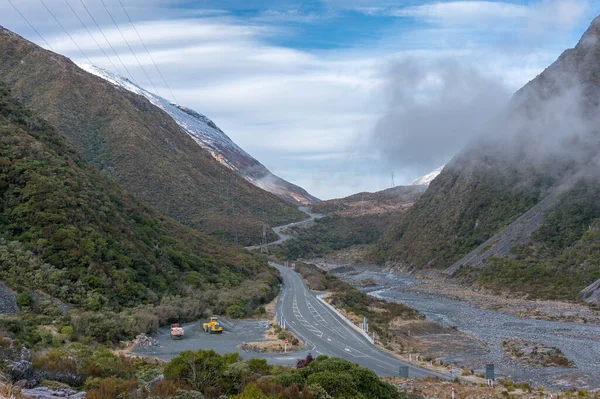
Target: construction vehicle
{"type": "Point", "coordinates": [212, 326]}
{"type": "Point", "coordinates": [176, 331]}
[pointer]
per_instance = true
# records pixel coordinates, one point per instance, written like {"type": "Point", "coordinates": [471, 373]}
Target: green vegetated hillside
{"type": "Point", "coordinates": [138, 145]}
{"type": "Point", "coordinates": [564, 256]}
{"type": "Point", "coordinates": [69, 233]}
{"type": "Point", "coordinates": [472, 199]}
{"type": "Point", "coordinates": [333, 233]}
{"type": "Point", "coordinates": [355, 220]}
{"type": "Point", "coordinates": [544, 143]}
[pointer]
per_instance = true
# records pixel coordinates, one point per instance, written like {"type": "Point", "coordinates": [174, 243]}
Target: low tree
{"type": "Point", "coordinates": [202, 370]}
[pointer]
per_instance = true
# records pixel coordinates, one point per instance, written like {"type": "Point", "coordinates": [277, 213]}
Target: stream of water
{"type": "Point", "coordinates": [579, 342]}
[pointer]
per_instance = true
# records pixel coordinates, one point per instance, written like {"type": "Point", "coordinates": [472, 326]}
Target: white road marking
{"type": "Point", "coordinates": [340, 328]}
{"type": "Point", "coordinates": [303, 321]}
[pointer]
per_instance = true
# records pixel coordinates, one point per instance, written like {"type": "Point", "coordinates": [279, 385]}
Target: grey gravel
{"type": "Point", "coordinates": [47, 393]}
{"type": "Point", "coordinates": [234, 335]}
{"type": "Point", "coordinates": [8, 300]}
{"type": "Point", "coordinates": [579, 342]}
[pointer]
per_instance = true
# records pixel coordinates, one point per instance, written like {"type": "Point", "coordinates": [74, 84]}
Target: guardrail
{"type": "Point", "coordinates": [349, 322]}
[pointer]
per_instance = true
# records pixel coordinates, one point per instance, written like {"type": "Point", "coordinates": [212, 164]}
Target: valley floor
{"type": "Point", "coordinates": [433, 282]}
{"type": "Point", "coordinates": [578, 341]}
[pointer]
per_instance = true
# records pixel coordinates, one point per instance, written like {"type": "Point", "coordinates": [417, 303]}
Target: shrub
{"type": "Point", "coordinates": [203, 370]}
{"type": "Point", "coordinates": [251, 392]}
{"type": "Point", "coordinates": [111, 388]}
{"type": "Point", "coordinates": [25, 301]}
{"type": "Point", "coordinates": [304, 362]}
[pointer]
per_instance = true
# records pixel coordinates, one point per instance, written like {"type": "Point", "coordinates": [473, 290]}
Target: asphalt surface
{"type": "Point", "coordinates": [284, 237]}
{"type": "Point", "coordinates": [324, 332]}
{"type": "Point", "coordinates": [235, 333]}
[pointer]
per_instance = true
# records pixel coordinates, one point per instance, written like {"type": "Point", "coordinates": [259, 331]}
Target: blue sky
{"type": "Point", "coordinates": [329, 94]}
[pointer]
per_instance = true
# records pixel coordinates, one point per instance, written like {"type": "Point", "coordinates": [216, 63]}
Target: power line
{"type": "Point", "coordinates": [130, 49]}
{"type": "Point", "coordinates": [32, 27]}
{"type": "Point", "coordinates": [63, 28]}
{"type": "Point", "coordinates": [147, 51]}
{"type": "Point", "coordinates": [93, 38]}
{"type": "Point", "coordinates": [107, 41]}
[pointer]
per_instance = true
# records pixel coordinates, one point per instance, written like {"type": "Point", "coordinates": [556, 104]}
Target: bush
{"type": "Point", "coordinates": [203, 370]}
{"type": "Point", "coordinates": [251, 392]}
{"type": "Point", "coordinates": [111, 388]}
{"type": "Point", "coordinates": [236, 311]}
{"type": "Point", "coordinates": [25, 301]}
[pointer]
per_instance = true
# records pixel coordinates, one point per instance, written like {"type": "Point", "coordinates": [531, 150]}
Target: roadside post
{"type": "Point", "coordinates": [404, 371]}
{"type": "Point", "coordinates": [453, 397]}
{"type": "Point", "coordinates": [285, 346]}
{"type": "Point", "coordinates": [489, 374]}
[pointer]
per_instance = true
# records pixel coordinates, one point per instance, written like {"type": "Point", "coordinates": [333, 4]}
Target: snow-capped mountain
{"type": "Point", "coordinates": [428, 178]}
{"type": "Point", "coordinates": [208, 136]}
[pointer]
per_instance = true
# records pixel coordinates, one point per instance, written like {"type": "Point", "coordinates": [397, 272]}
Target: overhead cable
{"type": "Point", "coordinates": [92, 36]}
{"type": "Point", "coordinates": [128, 45]}
{"type": "Point", "coordinates": [107, 41]}
{"type": "Point", "coordinates": [65, 30]}
{"type": "Point", "coordinates": [147, 51]}
{"type": "Point", "coordinates": [30, 25]}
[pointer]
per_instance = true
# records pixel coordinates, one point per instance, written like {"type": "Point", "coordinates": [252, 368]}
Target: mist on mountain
{"type": "Point", "coordinates": [433, 109]}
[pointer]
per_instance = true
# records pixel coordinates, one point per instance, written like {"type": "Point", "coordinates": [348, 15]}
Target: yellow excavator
{"type": "Point", "coordinates": [212, 326]}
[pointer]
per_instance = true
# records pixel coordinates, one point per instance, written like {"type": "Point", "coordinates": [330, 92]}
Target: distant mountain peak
{"type": "Point", "coordinates": [428, 178]}
{"type": "Point", "coordinates": [211, 138]}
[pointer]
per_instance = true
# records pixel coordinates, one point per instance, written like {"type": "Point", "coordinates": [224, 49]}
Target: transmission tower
{"type": "Point", "coordinates": [264, 248]}
{"type": "Point", "coordinates": [393, 182]}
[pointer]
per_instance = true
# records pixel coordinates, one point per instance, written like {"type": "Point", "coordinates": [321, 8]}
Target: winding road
{"type": "Point", "coordinates": [324, 332]}
{"type": "Point", "coordinates": [284, 237]}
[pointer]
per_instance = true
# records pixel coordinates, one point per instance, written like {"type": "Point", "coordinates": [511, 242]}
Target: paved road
{"type": "Point", "coordinates": [284, 237]}
{"type": "Point", "coordinates": [326, 333]}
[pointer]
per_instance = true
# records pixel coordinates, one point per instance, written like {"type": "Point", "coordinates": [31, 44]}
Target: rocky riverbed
{"type": "Point", "coordinates": [580, 342]}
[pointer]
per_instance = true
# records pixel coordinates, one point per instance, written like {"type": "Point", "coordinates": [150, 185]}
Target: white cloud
{"type": "Point", "coordinates": [564, 14]}
{"type": "Point", "coordinates": [303, 113]}
{"type": "Point", "coordinates": [289, 16]}
{"type": "Point", "coordinates": [464, 13]}
{"type": "Point", "coordinates": [537, 16]}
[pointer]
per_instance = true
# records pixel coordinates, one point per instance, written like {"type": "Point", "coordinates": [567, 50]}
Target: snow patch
{"type": "Point", "coordinates": [209, 137]}
{"type": "Point", "coordinates": [428, 178]}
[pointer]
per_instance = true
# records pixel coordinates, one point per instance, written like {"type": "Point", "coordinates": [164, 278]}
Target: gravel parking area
{"type": "Point", "coordinates": [234, 334]}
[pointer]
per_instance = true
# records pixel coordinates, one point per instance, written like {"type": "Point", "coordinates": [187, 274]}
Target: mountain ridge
{"type": "Point", "coordinates": [69, 231]}
{"type": "Point", "coordinates": [497, 213]}
{"type": "Point", "coordinates": [210, 137]}
{"type": "Point", "coordinates": [139, 145]}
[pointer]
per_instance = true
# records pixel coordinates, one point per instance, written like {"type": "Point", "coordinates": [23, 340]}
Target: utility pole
{"type": "Point", "coordinates": [235, 234]}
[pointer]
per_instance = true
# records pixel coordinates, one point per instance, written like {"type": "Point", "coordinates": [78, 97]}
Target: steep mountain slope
{"type": "Point", "coordinates": [139, 145]}
{"type": "Point", "coordinates": [69, 231]}
{"type": "Point", "coordinates": [540, 155]}
{"type": "Point", "coordinates": [218, 144]}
